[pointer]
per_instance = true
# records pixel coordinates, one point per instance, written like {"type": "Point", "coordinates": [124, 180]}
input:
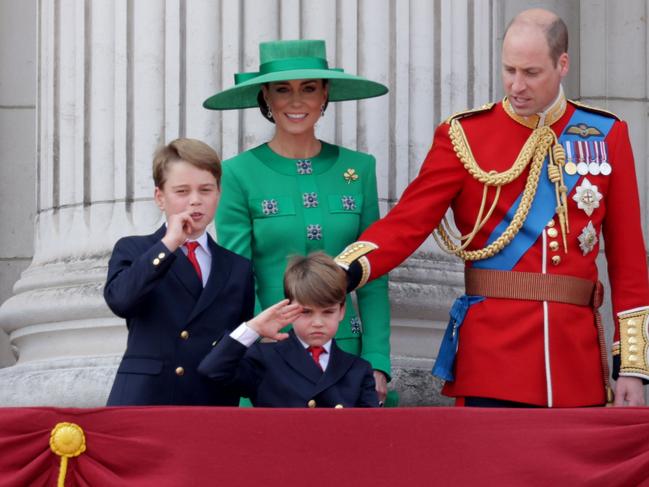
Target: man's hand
{"type": "Point", "coordinates": [629, 391]}
{"type": "Point", "coordinates": [179, 228]}
{"type": "Point", "coordinates": [271, 320]}
{"type": "Point", "coordinates": [381, 386]}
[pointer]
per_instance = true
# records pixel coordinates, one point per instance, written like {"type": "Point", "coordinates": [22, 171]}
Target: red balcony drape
{"type": "Point", "coordinates": [169, 446]}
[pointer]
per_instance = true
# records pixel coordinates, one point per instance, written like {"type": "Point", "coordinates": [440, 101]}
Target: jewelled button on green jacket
{"type": "Point", "coordinates": [273, 207]}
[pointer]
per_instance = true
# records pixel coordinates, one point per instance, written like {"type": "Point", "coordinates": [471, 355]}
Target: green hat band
{"type": "Point", "coordinates": [289, 64]}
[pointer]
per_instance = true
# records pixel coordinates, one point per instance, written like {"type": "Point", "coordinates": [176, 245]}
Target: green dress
{"type": "Point", "coordinates": [273, 207]}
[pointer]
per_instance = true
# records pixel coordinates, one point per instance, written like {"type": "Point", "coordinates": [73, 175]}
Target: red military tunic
{"type": "Point", "coordinates": [537, 352]}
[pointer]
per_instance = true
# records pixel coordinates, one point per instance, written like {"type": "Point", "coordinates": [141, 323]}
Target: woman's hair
{"type": "Point", "coordinates": [263, 106]}
{"type": "Point", "coordinates": [315, 280]}
{"type": "Point", "coordinates": [192, 151]}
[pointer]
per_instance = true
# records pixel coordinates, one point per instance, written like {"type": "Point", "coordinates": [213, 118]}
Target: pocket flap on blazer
{"type": "Point", "coordinates": [134, 365]}
{"type": "Point", "coordinates": [272, 206]}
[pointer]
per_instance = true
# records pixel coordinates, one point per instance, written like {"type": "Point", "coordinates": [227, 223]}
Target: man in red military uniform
{"type": "Point", "coordinates": [534, 183]}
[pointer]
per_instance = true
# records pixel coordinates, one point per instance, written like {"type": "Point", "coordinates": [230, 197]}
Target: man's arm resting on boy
{"type": "Point", "coordinates": [133, 273]}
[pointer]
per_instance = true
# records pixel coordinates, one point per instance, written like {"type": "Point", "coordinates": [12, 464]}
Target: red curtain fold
{"type": "Point", "coordinates": [169, 446]}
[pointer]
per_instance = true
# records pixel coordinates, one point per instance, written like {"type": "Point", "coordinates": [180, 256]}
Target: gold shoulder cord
{"type": "Point", "coordinates": [540, 143]}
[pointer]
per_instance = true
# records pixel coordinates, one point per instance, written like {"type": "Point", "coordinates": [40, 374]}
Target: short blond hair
{"type": "Point", "coordinates": [315, 280]}
{"type": "Point", "coordinates": [192, 151]}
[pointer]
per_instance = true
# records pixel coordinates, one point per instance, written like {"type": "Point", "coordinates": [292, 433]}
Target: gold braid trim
{"type": "Point", "coordinates": [634, 343]}
{"type": "Point", "coordinates": [535, 150]}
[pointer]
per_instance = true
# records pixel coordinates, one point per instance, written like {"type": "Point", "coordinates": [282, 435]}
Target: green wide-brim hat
{"type": "Point", "coordinates": [289, 60]}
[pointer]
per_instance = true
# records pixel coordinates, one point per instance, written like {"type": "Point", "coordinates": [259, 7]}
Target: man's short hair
{"type": "Point", "coordinates": [315, 280]}
{"type": "Point", "coordinates": [556, 34]}
{"type": "Point", "coordinates": [192, 151]}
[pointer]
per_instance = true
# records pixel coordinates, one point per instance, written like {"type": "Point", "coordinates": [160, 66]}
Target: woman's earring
{"type": "Point", "coordinates": [322, 110]}
{"type": "Point", "coordinates": [269, 114]}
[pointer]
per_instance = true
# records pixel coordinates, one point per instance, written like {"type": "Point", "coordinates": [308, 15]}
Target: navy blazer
{"type": "Point", "coordinates": [172, 320]}
{"type": "Point", "coordinates": [283, 374]}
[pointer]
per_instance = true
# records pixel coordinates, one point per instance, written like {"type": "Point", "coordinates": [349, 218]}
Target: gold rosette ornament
{"type": "Point", "coordinates": [67, 441]}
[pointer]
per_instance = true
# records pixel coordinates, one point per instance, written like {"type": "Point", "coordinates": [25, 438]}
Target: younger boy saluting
{"type": "Point", "coordinates": [305, 368]}
{"type": "Point", "coordinates": [178, 290]}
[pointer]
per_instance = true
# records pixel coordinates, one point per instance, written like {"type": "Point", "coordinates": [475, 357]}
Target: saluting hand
{"type": "Point", "coordinates": [269, 322]}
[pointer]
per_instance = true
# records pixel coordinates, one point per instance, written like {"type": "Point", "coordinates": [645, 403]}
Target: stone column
{"type": "Point", "coordinates": [102, 100]}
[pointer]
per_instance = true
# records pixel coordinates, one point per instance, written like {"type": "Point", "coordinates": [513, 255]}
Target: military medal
{"type": "Point", "coordinates": [593, 165]}
{"type": "Point", "coordinates": [605, 166]}
{"type": "Point", "coordinates": [587, 197]}
{"type": "Point", "coordinates": [582, 167]}
{"type": "Point", "coordinates": [570, 167]}
{"type": "Point", "coordinates": [587, 238]}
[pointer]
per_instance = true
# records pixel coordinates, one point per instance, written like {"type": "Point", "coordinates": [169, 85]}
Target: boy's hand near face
{"type": "Point", "coordinates": [269, 322]}
{"type": "Point", "coordinates": [179, 229]}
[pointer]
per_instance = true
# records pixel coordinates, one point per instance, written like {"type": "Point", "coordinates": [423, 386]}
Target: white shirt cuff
{"type": "Point", "coordinates": [245, 335]}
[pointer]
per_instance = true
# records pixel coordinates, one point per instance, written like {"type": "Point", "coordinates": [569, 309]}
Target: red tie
{"type": "Point", "coordinates": [191, 255]}
{"type": "Point", "coordinates": [315, 353]}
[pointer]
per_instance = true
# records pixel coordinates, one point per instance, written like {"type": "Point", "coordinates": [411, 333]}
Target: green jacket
{"type": "Point", "coordinates": [273, 207]}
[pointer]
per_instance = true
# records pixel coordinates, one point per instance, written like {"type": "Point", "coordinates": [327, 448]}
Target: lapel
{"type": "Point", "coordinates": [219, 275]}
{"type": "Point", "coordinates": [296, 356]}
{"type": "Point", "coordinates": [339, 364]}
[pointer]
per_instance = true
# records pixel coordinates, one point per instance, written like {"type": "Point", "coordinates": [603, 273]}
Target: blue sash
{"type": "Point", "coordinates": [541, 212]}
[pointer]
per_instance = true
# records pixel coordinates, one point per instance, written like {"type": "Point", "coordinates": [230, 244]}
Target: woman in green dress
{"type": "Point", "coordinates": [296, 194]}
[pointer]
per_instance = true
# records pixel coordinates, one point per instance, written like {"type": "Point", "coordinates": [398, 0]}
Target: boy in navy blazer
{"type": "Point", "coordinates": [177, 289]}
{"type": "Point", "coordinates": [305, 367]}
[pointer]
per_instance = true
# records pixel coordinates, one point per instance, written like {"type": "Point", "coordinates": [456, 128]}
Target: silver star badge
{"type": "Point", "coordinates": [587, 238]}
{"type": "Point", "coordinates": [587, 197]}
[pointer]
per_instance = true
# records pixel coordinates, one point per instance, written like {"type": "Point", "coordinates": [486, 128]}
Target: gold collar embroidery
{"type": "Point", "coordinates": [547, 118]}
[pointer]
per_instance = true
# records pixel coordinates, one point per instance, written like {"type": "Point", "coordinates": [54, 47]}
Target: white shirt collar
{"type": "Point", "coordinates": [326, 346]}
{"type": "Point", "coordinates": [202, 241]}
